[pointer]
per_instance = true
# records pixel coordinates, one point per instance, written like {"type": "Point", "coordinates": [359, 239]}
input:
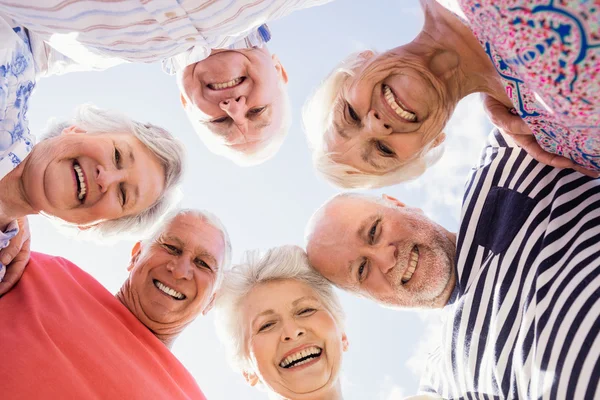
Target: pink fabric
{"type": "Point", "coordinates": [64, 336]}
{"type": "Point", "coordinates": [549, 49]}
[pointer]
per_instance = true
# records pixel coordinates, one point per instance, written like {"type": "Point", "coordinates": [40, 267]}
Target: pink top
{"type": "Point", "coordinates": [548, 54]}
{"type": "Point", "coordinates": [64, 336]}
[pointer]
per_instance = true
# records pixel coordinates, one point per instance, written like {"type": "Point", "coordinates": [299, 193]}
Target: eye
{"type": "Point", "coordinates": [383, 149]}
{"type": "Point", "coordinates": [307, 311]}
{"type": "Point", "coordinates": [256, 110]}
{"type": "Point", "coordinates": [201, 263]}
{"type": "Point", "coordinates": [373, 232]}
{"type": "Point", "coordinates": [117, 156]}
{"type": "Point", "coordinates": [266, 326]}
{"type": "Point", "coordinates": [362, 271]}
{"type": "Point", "coordinates": [219, 120]}
{"type": "Point", "coordinates": [123, 195]}
{"type": "Point", "coordinates": [172, 249]}
{"type": "Point", "coordinates": [353, 115]}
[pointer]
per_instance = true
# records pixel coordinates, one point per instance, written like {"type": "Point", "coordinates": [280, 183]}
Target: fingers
{"type": "Point", "coordinates": [15, 270]}
{"type": "Point", "coordinates": [503, 118]}
{"type": "Point", "coordinates": [9, 253]}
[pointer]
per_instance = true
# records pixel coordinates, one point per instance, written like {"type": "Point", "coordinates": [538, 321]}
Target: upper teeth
{"type": "Point", "coordinates": [412, 265]}
{"type": "Point", "coordinates": [225, 85]}
{"type": "Point", "coordinates": [391, 100]}
{"type": "Point", "coordinates": [305, 355]}
{"type": "Point", "coordinates": [79, 172]}
{"type": "Point", "coordinates": [169, 291]}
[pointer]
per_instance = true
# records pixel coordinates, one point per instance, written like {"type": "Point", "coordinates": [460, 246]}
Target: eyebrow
{"type": "Point", "coordinates": [340, 130]}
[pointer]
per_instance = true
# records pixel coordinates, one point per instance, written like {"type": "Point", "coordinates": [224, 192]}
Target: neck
{"type": "Point", "coordinates": [166, 333]}
{"type": "Point", "coordinates": [13, 202]}
{"type": "Point", "coordinates": [455, 55]}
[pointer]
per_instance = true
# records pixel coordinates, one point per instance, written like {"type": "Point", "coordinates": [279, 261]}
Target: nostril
{"type": "Point", "coordinates": [386, 126]}
{"type": "Point", "coordinates": [238, 98]}
{"type": "Point", "coordinates": [396, 254]}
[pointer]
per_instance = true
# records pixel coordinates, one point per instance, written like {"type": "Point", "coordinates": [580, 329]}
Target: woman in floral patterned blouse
{"type": "Point", "coordinates": [378, 118]}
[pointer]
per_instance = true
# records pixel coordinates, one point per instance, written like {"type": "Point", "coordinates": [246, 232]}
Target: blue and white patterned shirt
{"type": "Point", "coordinates": [10, 232]}
{"type": "Point", "coordinates": [180, 32]}
{"type": "Point", "coordinates": [17, 80]}
{"type": "Point", "coordinates": [524, 319]}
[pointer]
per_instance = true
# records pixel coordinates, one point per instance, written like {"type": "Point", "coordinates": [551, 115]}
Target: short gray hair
{"type": "Point", "coordinates": [208, 217]}
{"type": "Point", "coordinates": [286, 262]}
{"type": "Point", "coordinates": [317, 119]}
{"type": "Point", "coordinates": [169, 151]}
{"type": "Point", "coordinates": [269, 147]}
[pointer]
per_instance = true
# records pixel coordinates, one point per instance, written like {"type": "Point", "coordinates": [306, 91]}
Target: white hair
{"type": "Point", "coordinates": [280, 263]}
{"type": "Point", "coordinates": [161, 143]}
{"type": "Point", "coordinates": [211, 220]}
{"type": "Point", "coordinates": [317, 119]}
{"type": "Point", "coordinates": [268, 148]}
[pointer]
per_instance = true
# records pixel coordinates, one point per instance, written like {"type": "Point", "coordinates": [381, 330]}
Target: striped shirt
{"type": "Point", "coordinates": [179, 32]}
{"type": "Point", "coordinates": [524, 319]}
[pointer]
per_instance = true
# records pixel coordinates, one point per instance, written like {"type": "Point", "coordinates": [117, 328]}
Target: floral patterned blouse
{"type": "Point", "coordinates": [17, 80]}
{"type": "Point", "coordinates": [548, 55]}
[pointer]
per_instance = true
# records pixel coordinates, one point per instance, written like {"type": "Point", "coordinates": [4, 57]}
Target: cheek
{"type": "Point", "coordinates": [407, 146]}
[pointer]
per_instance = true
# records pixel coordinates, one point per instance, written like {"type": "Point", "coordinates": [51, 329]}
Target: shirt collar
{"type": "Point", "coordinates": [174, 64]}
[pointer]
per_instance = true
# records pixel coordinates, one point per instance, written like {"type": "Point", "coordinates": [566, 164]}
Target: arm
{"type": "Point", "coordinates": [513, 126]}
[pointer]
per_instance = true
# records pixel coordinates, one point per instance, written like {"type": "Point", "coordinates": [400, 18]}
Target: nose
{"type": "Point", "coordinates": [107, 177]}
{"type": "Point", "coordinates": [235, 108]}
{"type": "Point", "coordinates": [376, 125]}
{"type": "Point", "coordinates": [385, 257]}
{"type": "Point", "coordinates": [292, 331]}
{"type": "Point", "coordinates": [180, 268]}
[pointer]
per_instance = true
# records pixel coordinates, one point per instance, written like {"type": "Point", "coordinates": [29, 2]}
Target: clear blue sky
{"type": "Point", "coordinates": [268, 205]}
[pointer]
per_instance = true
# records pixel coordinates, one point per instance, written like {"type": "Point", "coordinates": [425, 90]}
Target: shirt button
{"type": "Point", "coordinates": [171, 14]}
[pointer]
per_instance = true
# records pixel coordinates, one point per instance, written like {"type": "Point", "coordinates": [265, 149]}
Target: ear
{"type": "Point", "coordinates": [183, 100]}
{"type": "Point", "coordinates": [345, 343]}
{"type": "Point", "coordinates": [366, 54]}
{"type": "Point", "coordinates": [251, 378]}
{"type": "Point", "coordinates": [71, 130]}
{"type": "Point", "coordinates": [210, 304]}
{"type": "Point", "coordinates": [393, 200]}
{"type": "Point", "coordinates": [86, 227]}
{"type": "Point", "coordinates": [441, 138]}
{"type": "Point", "coordinates": [135, 254]}
{"type": "Point", "coordinates": [280, 69]}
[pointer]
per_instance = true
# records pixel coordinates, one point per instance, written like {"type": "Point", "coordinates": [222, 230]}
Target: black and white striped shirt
{"type": "Point", "coordinates": [524, 320]}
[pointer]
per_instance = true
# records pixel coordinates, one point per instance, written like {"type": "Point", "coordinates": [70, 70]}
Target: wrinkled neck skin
{"type": "Point", "coordinates": [335, 393]}
{"type": "Point", "coordinates": [165, 332]}
{"type": "Point", "coordinates": [454, 55]}
{"type": "Point", "coordinates": [13, 202]}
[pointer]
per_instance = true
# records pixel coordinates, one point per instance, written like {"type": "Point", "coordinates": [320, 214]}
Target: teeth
{"type": "Point", "coordinates": [225, 85]}
{"type": "Point", "coordinates": [83, 189]}
{"type": "Point", "coordinates": [305, 356]}
{"type": "Point", "coordinates": [412, 265]}
{"type": "Point", "coordinates": [169, 291]}
{"type": "Point", "coordinates": [391, 100]}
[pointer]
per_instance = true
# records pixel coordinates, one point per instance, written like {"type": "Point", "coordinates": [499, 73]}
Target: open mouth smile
{"type": "Point", "coordinates": [397, 106]}
{"type": "Point", "coordinates": [412, 265]}
{"type": "Point", "coordinates": [168, 291]}
{"type": "Point", "coordinates": [302, 357]}
{"type": "Point", "coordinates": [80, 180]}
{"type": "Point", "coordinates": [227, 85]}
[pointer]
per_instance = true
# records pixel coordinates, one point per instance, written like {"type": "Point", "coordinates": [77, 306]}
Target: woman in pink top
{"type": "Point", "coordinates": [377, 118]}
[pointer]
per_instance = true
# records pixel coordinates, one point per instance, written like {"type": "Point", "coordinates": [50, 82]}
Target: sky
{"type": "Point", "coordinates": [268, 205]}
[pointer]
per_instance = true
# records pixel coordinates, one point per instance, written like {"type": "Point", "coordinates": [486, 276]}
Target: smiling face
{"type": "Point", "coordinates": [173, 277]}
{"type": "Point", "coordinates": [388, 113]}
{"type": "Point", "coordinates": [87, 178]}
{"type": "Point", "coordinates": [388, 252]}
{"type": "Point", "coordinates": [238, 96]}
{"type": "Point", "coordinates": [293, 342]}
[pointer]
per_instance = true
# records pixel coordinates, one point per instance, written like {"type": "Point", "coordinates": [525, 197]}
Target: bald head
{"type": "Point", "coordinates": [383, 250]}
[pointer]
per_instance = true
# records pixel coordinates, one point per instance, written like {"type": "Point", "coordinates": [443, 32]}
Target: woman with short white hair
{"type": "Point", "coordinates": [100, 172]}
{"type": "Point", "coordinates": [283, 325]}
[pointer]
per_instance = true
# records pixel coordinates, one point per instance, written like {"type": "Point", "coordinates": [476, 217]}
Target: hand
{"type": "Point", "coordinates": [513, 126]}
{"type": "Point", "coordinates": [16, 256]}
